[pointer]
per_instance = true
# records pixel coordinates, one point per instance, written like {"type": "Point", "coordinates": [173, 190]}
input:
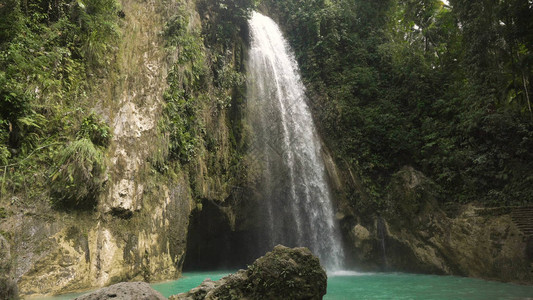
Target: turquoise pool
{"type": "Point", "coordinates": [354, 285]}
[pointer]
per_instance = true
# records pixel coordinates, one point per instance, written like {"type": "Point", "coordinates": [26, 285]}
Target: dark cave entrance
{"type": "Point", "coordinates": [215, 240]}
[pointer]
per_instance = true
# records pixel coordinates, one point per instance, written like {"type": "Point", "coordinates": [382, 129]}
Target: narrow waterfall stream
{"type": "Point", "coordinates": [294, 202]}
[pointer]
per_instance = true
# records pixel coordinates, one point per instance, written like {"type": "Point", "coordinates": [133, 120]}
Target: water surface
{"type": "Point", "coordinates": [354, 285]}
{"type": "Point", "coordinates": [411, 286]}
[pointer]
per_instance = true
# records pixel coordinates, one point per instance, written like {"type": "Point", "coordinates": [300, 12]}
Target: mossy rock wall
{"type": "Point", "coordinates": [416, 234]}
{"type": "Point", "coordinates": [138, 228]}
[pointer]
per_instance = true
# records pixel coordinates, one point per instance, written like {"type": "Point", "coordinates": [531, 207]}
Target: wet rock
{"type": "Point", "coordinates": [360, 234]}
{"type": "Point", "coordinates": [283, 273]}
{"type": "Point", "coordinates": [125, 291]}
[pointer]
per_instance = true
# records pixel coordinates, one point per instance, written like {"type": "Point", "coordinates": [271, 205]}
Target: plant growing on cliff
{"type": "Point", "coordinates": [50, 52]}
{"type": "Point", "coordinates": [205, 92]}
{"type": "Point", "coordinates": [227, 18]}
{"type": "Point", "coordinates": [96, 130]}
{"type": "Point", "coordinates": [79, 176]}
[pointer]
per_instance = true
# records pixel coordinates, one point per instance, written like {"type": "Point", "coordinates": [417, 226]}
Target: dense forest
{"type": "Point", "coordinates": [445, 88]}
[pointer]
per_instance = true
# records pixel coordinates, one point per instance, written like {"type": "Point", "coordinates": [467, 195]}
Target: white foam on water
{"type": "Point", "coordinates": [347, 273]}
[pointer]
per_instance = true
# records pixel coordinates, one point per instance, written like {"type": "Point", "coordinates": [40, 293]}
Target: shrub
{"type": "Point", "coordinates": [4, 155]}
{"type": "Point", "coordinates": [79, 176]}
{"type": "Point", "coordinates": [96, 130]}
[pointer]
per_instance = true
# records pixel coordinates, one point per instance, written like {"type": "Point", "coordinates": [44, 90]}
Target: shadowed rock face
{"type": "Point", "coordinates": [125, 291]}
{"type": "Point", "coordinates": [417, 233]}
{"type": "Point", "coordinates": [283, 273]}
{"type": "Point", "coordinates": [8, 287]}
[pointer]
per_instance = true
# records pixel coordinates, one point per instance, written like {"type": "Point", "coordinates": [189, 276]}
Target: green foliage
{"type": "Point", "coordinates": [49, 52]}
{"type": "Point", "coordinates": [499, 45]}
{"type": "Point", "coordinates": [207, 75]}
{"type": "Point", "coordinates": [96, 130]}
{"type": "Point", "coordinates": [98, 30]}
{"type": "Point", "coordinates": [4, 155]}
{"type": "Point", "coordinates": [175, 31]}
{"type": "Point", "coordinates": [183, 126]}
{"type": "Point", "coordinates": [227, 19]}
{"type": "Point", "coordinates": [186, 83]}
{"type": "Point", "coordinates": [79, 176]}
{"type": "Point", "coordinates": [414, 82]}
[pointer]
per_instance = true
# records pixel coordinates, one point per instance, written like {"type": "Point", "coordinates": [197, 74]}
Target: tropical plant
{"type": "Point", "coordinates": [79, 176]}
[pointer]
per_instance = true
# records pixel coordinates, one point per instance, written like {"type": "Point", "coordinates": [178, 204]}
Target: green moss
{"type": "Point", "coordinates": [204, 102]}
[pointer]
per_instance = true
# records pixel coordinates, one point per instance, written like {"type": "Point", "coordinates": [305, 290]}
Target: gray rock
{"type": "Point", "coordinates": [125, 291]}
{"type": "Point", "coordinates": [8, 287]}
{"type": "Point", "coordinates": [284, 273]}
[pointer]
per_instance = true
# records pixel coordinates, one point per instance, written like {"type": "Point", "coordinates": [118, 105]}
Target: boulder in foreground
{"type": "Point", "coordinates": [284, 273]}
{"type": "Point", "coordinates": [125, 291]}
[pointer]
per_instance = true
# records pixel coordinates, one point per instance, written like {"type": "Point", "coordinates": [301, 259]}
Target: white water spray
{"type": "Point", "coordinates": [294, 202]}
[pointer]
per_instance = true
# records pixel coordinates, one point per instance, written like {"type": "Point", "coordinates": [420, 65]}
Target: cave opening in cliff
{"type": "Point", "coordinates": [216, 239]}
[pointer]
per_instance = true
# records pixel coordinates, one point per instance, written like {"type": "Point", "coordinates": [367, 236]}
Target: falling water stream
{"type": "Point", "coordinates": [295, 199]}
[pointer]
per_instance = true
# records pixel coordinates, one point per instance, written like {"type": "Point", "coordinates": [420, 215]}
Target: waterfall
{"type": "Point", "coordinates": [294, 200]}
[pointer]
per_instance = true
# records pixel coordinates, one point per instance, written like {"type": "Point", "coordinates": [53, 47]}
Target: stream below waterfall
{"type": "Point", "coordinates": [353, 285]}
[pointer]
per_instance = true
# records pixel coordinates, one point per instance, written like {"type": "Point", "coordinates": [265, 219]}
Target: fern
{"type": "Point", "coordinates": [79, 176]}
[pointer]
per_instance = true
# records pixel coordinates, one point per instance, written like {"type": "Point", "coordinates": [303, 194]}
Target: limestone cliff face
{"type": "Point", "coordinates": [139, 229]}
{"type": "Point", "coordinates": [8, 288]}
{"type": "Point", "coordinates": [415, 234]}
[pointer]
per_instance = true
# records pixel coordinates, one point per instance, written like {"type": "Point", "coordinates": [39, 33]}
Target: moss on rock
{"type": "Point", "coordinates": [283, 273]}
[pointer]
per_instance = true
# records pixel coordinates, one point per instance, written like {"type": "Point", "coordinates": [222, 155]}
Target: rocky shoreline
{"type": "Point", "coordinates": [283, 273]}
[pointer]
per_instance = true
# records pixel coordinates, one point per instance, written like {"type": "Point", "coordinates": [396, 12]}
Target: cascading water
{"type": "Point", "coordinates": [294, 201]}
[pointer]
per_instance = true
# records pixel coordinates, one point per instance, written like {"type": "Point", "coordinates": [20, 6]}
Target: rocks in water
{"type": "Point", "coordinates": [125, 291]}
{"type": "Point", "coordinates": [283, 273]}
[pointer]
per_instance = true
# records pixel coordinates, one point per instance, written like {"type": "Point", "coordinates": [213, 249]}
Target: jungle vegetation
{"type": "Point", "coordinates": [443, 87]}
{"type": "Point", "coordinates": [51, 51]}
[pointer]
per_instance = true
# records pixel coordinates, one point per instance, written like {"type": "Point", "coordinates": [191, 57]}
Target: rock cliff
{"type": "Point", "coordinates": [8, 287]}
{"type": "Point", "coordinates": [417, 234]}
{"type": "Point", "coordinates": [138, 230]}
